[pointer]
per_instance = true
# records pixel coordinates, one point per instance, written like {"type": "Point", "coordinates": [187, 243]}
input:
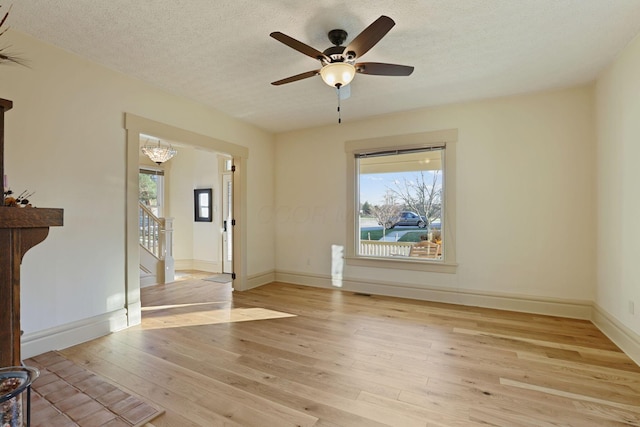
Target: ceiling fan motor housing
{"type": "Point", "coordinates": [336, 53]}
{"type": "Point", "coordinates": [337, 37]}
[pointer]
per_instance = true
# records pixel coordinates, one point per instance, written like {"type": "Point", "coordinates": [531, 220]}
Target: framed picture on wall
{"type": "Point", "coordinates": [203, 201]}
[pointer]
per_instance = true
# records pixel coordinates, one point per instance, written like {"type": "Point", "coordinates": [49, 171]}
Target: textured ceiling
{"type": "Point", "coordinates": [220, 53]}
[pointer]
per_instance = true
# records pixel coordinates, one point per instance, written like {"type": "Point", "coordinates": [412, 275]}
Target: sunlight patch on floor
{"type": "Point", "coordinates": [181, 315]}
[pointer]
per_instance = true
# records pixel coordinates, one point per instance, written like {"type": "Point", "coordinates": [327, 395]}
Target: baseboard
{"type": "Point", "coordinates": [148, 280]}
{"type": "Point", "coordinates": [210, 266]}
{"type": "Point", "coordinates": [183, 264]}
{"type": "Point", "coordinates": [73, 333]}
{"type": "Point", "coordinates": [260, 279]}
{"type": "Point", "coordinates": [197, 264]}
{"type": "Point", "coordinates": [134, 313]}
{"type": "Point", "coordinates": [576, 309]}
{"type": "Point", "coordinates": [623, 337]}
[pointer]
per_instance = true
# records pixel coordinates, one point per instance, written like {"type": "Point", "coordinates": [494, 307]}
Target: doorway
{"type": "Point", "coordinates": [135, 126]}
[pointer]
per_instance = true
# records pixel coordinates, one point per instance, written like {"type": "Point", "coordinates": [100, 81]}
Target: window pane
{"type": "Point", "coordinates": [401, 205]}
{"type": "Point", "coordinates": [204, 200]}
{"type": "Point", "coordinates": [150, 191]}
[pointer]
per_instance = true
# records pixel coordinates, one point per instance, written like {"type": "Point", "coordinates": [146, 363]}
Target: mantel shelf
{"type": "Point", "coordinates": [11, 217]}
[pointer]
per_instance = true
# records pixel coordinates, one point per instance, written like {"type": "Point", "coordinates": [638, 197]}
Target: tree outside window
{"type": "Point", "coordinates": [150, 190]}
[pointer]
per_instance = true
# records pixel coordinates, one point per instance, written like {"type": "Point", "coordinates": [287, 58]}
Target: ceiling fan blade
{"type": "Point", "coordinates": [370, 36]}
{"type": "Point", "coordinates": [296, 77]}
{"type": "Point", "coordinates": [299, 46]}
{"type": "Point", "coordinates": [382, 69]}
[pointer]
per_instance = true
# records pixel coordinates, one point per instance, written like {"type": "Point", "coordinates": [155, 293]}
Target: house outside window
{"type": "Point", "coordinates": [402, 194]}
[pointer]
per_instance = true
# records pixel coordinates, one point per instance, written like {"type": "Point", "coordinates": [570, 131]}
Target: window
{"type": "Point", "coordinates": [202, 205]}
{"type": "Point", "coordinates": [151, 190]}
{"type": "Point", "coordinates": [400, 199]}
{"type": "Point", "coordinates": [402, 194]}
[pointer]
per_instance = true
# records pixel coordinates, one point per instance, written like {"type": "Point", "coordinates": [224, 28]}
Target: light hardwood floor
{"type": "Point", "coordinates": [287, 355]}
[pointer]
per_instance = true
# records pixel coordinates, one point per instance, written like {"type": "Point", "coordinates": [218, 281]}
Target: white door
{"type": "Point", "coordinates": [227, 218]}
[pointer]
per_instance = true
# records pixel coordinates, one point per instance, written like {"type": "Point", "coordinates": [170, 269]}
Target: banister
{"type": "Point", "coordinates": [152, 231]}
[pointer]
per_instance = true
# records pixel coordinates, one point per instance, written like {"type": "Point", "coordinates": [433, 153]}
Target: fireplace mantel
{"type": "Point", "coordinates": [20, 230]}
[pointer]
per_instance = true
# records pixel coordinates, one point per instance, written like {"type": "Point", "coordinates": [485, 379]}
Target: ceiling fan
{"type": "Point", "coordinates": [339, 64]}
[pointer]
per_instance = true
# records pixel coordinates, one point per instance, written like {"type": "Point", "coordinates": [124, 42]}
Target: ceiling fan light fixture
{"type": "Point", "coordinates": [338, 74]}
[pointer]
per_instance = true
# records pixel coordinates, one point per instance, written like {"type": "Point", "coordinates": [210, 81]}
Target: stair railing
{"type": "Point", "coordinates": [152, 231]}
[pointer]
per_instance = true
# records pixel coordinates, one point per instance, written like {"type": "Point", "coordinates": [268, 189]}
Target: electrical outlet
{"type": "Point", "coordinates": [632, 308]}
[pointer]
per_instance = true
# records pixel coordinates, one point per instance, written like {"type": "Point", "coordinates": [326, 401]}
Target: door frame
{"type": "Point", "coordinates": [136, 125]}
{"type": "Point", "coordinates": [226, 174]}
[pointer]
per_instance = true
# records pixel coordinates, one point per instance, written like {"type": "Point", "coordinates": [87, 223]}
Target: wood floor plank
{"type": "Point", "coordinates": [235, 404]}
{"type": "Point", "coordinates": [632, 410]}
{"type": "Point", "coordinates": [540, 408]}
{"type": "Point", "coordinates": [165, 397]}
{"type": "Point", "coordinates": [290, 355]}
{"type": "Point", "coordinates": [432, 416]}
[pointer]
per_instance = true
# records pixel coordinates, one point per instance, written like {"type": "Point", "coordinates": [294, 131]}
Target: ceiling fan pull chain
{"type": "Point", "coordinates": [339, 115]}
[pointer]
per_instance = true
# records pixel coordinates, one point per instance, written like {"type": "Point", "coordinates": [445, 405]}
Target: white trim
{"type": "Point", "coordinates": [198, 264]}
{"type": "Point", "coordinates": [148, 280]}
{"type": "Point", "coordinates": [401, 264]}
{"type": "Point", "coordinates": [135, 316]}
{"type": "Point", "coordinates": [447, 138]}
{"type": "Point", "coordinates": [623, 337]}
{"type": "Point", "coordinates": [260, 279]}
{"type": "Point", "coordinates": [577, 309]}
{"type": "Point", "coordinates": [73, 333]}
{"type": "Point", "coordinates": [183, 264]}
{"type": "Point", "coordinates": [210, 266]}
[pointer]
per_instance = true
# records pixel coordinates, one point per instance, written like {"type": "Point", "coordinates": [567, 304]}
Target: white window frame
{"type": "Point", "coordinates": [448, 139]}
{"type": "Point", "coordinates": [151, 170]}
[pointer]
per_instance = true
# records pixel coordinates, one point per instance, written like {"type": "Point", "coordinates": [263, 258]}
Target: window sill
{"type": "Point", "coordinates": [402, 264]}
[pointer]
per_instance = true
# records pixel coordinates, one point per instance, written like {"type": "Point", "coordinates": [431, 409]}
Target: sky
{"type": "Point", "coordinates": [374, 186]}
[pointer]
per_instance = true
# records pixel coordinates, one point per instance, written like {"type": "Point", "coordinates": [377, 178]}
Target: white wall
{"type": "Point", "coordinates": [65, 139]}
{"type": "Point", "coordinates": [618, 183]}
{"type": "Point", "coordinates": [525, 201]}
{"type": "Point", "coordinates": [180, 194]}
{"type": "Point", "coordinates": [207, 236]}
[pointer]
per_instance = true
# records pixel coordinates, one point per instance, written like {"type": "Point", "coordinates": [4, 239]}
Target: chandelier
{"type": "Point", "coordinates": [157, 152]}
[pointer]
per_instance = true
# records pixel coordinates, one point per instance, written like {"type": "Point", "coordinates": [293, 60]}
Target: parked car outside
{"type": "Point", "coordinates": [411, 219]}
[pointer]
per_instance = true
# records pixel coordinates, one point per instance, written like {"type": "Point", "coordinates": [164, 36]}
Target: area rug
{"type": "Point", "coordinates": [66, 394]}
{"type": "Point", "coordinates": [219, 278]}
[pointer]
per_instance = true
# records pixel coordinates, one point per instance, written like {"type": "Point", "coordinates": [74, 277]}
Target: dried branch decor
{"type": "Point", "coordinates": [4, 55]}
